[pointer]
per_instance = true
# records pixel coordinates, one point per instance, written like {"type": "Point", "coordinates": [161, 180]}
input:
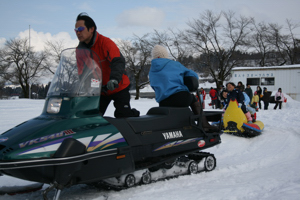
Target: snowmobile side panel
{"type": "Point", "coordinates": [124, 128]}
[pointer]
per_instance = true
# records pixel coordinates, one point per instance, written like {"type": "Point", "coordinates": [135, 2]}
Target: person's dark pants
{"type": "Point", "coordinates": [214, 103]}
{"type": "Point", "coordinates": [218, 104]}
{"type": "Point", "coordinates": [266, 105]}
{"type": "Point", "coordinates": [278, 103]}
{"type": "Point", "coordinates": [179, 99]}
{"type": "Point", "coordinates": [121, 103]}
{"type": "Point", "coordinates": [259, 103]}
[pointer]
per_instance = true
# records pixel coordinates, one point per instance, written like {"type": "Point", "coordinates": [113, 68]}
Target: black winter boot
{"type": "Point", "coordinates": [197, 110]}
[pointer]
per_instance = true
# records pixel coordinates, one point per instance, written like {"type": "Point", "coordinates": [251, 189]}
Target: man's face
{"type": "Point", "coordinates": [230, 87]}
{"type": "Point", "coordinates": [84, 35]}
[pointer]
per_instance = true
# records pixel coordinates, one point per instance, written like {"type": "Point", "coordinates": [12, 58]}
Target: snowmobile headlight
{"type": "Point", "coordinates": [54, 105]}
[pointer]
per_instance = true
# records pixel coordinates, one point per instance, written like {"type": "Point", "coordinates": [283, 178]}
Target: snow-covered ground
{"type": "Point", "coordinates": [264, 167]}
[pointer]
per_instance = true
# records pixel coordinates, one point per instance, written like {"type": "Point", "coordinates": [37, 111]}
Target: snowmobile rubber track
{"type": "Point", "coordinates": [197, 156]}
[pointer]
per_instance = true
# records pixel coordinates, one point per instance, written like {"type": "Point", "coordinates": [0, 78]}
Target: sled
{"type": "Point", "coordinates": [235, 122]}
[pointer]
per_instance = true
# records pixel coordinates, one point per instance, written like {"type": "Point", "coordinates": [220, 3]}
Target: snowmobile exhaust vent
{"type": "Point", "coordinates": [7, 150]}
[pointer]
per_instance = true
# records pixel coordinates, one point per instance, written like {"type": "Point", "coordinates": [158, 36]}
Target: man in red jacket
{"type": "Point", "coordinates": [114, 78]}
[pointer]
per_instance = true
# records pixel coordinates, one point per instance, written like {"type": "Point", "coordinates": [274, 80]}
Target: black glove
{"type": "Point", "coordinates": [112, 84]}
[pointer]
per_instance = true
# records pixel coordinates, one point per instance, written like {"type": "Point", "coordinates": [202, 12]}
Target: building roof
{"type": "Point", "coordinates": [267, 68]}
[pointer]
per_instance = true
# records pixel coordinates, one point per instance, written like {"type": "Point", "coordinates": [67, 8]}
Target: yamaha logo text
{"type": "Point", "coordinates": [172, 135]}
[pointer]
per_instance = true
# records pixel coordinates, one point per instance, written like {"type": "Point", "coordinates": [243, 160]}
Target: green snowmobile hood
{"type": "Point", "coordinates": [40, 137]}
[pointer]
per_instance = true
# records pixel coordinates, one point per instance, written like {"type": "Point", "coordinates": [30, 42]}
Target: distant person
{"type": "Point", "coordinates": [219, 91]}
{"type": "Point", "coordinates": [254, 101]}
{"type": "Point", "coordinates": [224, 100]}
{"type": "Point", "coordinates": [248, 91]}
{"type": "Point", "coordinates": [214, 97]}
{"type": "Point", "coordinates": [266, 98]}
{"type": "Point", "coordinates": [114, 76]}
{"type": "Point", "coordinates": [260, 95]}
{"type": "Point", "coordinates": [202, 91]}
{"type": "Point", "coordinates": [279, 98]}
{"type": "Point", "coordinates": [247, 102]}
{"type": "Point", "coordinates": [241, 85]}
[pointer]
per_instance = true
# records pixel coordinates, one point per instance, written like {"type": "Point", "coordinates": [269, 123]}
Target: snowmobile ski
{"type": "Point", "coordinates": [13, 190]}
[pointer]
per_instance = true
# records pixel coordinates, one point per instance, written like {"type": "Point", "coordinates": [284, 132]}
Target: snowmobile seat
{"type": "Point", "coordinates": [213, 116]}
{"type": "Point", "coordinates": [161, 118]}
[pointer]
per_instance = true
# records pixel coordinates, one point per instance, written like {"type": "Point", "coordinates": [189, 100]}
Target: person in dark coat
{"type": "Point", "coordinates": [266, 98]}
{"type": "Point", "coordinates": [260, 94]}
{"type": "Point", "coordinates": [248, 91]}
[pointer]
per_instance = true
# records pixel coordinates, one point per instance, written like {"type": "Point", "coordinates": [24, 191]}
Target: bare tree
{"type": "Point", "coordinates": [53, 49]}
{"type": "Point", "coordinates": [285, 45]}
{"type": "Point", "coordinates": [260, 43]}
{"type": "Point", "coordinates": [292, 44]}
{"type": "Point", "coordinates": [137, 53]}
{"type": "Point", "coordinates": [276, 38]}
{"type": "Point", "coordinates": [217, 43]}
{"type": "Point", "coordinates": [20, 64]}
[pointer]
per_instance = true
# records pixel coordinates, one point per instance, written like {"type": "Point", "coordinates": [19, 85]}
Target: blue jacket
{"type": "Point", "coordinates": [247, 99]}
{"type": "Point", "coordinates": [166, 77]}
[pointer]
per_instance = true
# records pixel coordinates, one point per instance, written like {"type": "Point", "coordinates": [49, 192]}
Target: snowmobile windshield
{"type": "Point", "coordinates": [78, 74]}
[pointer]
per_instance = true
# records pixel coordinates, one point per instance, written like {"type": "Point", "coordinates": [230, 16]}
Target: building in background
{"type": "Point", "coordinates": [286, 77]}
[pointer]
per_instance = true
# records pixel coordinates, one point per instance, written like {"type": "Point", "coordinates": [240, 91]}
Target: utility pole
{"type": "Point", "coordinates": [29, 79]}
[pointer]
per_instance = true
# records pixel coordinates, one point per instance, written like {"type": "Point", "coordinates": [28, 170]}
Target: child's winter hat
{"type": "Point", "coordinates": [159, 52]}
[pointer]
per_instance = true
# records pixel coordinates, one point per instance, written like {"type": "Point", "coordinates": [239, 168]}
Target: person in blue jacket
{"type": "Point", "coordinates": [167, 80]}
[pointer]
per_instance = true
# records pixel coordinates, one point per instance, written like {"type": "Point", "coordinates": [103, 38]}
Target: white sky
{"type": "Point", "coordinates": [55, 20]}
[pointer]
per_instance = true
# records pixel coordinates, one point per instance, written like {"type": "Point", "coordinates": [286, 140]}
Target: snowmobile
{"type": "Point", "coordinates": [71, 143]}
{"type": "Point", "coordinates": [235, 122]}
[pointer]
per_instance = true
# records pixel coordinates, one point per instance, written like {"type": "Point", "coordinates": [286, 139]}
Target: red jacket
{"type": "Point", "coordinates": [213, 94]}
{"type": "Point", "coordinates": [112, 62]}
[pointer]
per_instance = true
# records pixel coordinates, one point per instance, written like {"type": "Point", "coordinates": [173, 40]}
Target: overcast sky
{"type": "Point", "coordinates": [55, 19]}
